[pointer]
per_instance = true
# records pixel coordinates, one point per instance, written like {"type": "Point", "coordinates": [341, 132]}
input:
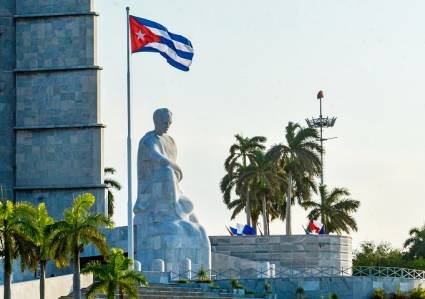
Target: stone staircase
{"type": "Point", "coordinates": [178, 291]}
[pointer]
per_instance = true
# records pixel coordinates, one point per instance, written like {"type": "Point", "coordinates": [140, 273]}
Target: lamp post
{"type": "Point", "coordinates": [321, 123]}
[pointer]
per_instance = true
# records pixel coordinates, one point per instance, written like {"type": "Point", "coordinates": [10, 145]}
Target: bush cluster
{"type": "Point", "coordinates": [383, 255]}
{"type": "Point", "coordinates": [416, 293]}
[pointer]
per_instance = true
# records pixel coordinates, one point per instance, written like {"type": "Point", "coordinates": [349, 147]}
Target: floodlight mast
{"type": "Point", "coordinates": [321, 122]}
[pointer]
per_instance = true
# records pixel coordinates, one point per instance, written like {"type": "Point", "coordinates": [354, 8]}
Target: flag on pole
{"type": "Point", "coordinates": [316, 227]}
{"type": "Point", "coordinates": [149, 36]}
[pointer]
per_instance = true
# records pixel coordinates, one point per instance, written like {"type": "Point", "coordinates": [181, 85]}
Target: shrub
{"type": "Point", "coordinates": [236, 284]}
{"type": "Point", "coordinates": [333, 296]}
{"type": "Point", "coordinates": [299, 293]}
{"type": "Point", "coordinates": [398, 295]}
{"type": "Point", "coordinates": [267, 287]}
{"type": "Point", "coordinates": [417, 293]}
{"type": "Point", "coordinates": [203, 276]}
{"type": "Point", "coordinates": [378, 294]}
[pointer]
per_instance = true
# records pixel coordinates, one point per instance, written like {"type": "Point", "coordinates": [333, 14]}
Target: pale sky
{"type": "Point", "coordinates": [260, 64]}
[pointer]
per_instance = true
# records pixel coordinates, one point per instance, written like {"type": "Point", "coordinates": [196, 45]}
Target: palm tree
{"type": "Point", "coordinates": [78, 228]}
{"type": "Point", "coordinates": [416, 242]}
{"type": "Point", "coordinates": [42, 242]}
{"type": "Point", "coordinates": [262, 178]}
{"type": "Point", "coordinates": [115, 274]}
{"type": "Point", "coordinates": [240, 155]}
{"type": "Point", "coordinates": [334, 210]}
{"type": "Point", "coordinates": [299, 160]}
{"type": "Point", "coordinates": [111, 184]}
{"type": "Point", "coordinates": [233, 182]}
{"type": "Point", "coordinates": [15, 230]}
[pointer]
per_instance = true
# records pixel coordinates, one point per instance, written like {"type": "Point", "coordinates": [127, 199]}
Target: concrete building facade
{"type": "Point", "coordinates": [51, 135]}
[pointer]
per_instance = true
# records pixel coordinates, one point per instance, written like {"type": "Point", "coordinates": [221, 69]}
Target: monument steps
{"type": "Point", "coordinates": [176, 291]}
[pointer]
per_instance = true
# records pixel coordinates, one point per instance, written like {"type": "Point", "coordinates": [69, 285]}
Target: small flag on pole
{"type": "Point", "coordinates": [149, 36]}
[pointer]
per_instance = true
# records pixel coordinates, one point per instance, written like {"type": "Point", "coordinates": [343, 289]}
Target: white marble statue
{"type": "Point", "coordinates": [166, 227]}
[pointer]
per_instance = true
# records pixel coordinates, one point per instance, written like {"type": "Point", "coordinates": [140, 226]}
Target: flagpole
{"type": "Point", "coordinates": [130, 249]}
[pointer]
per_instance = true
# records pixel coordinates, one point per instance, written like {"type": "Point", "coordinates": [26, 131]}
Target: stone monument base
{"type": "Point", "coordinates": [296, 251]}
{"type": "Point", "coordinates": [247, 253]}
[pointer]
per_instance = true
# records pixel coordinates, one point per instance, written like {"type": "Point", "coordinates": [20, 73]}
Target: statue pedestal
{"type": "Point", "coordinates": [185, 241]}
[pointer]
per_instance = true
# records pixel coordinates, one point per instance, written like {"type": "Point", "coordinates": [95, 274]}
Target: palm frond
{"type": "Point", "coordinates": [109, 170]}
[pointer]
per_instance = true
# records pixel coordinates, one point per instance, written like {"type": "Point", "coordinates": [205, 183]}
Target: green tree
{"type": "Point", "coordinates": [299, 160]}
{"type": "Point", "coordinates": [262, 178]}
{"type": "Point", "coordinates": [334, 210]}
{"type": "Point", "coordinates": [241, 154]}
{"type": "Point", "coordinates": [416, 242]}
{"type": "Point", "coordinates": [111, 184]}
{"type": "Point", "coordinates": [42, 242]}
{"type": "Point", "coordinates": [16, 227]}
{"type": "Point", "coordinates": [115, 274]}
{"type": "Point", "coordinates": [78, 228]}
{"type": "Point", "coordinates": [382, 255]}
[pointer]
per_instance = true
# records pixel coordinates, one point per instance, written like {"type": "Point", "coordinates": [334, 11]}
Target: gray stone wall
{"type": "Point", "coordinates": [60, 98]}
{"type": "Point", "coordinates": [7, 97]}
{"type": "Point", "coordinates": [51, 139]}
{"type": "Point", "coordinates": [223, 263]}
{"type": "Point", "coordinates": [347, 287]}
{"type": "Point", "coordinates": [118, 237]}
{"type": "Point", "coordinates": [58, 199]}
{"type": "Point", "coordinates": [53, 158]}
{"type": "Point", "coordinates": [52, 6]}
{"type": "Point", "coordinates": [55, 42]}
{"type": "Point", "coordinates": [288, 251]}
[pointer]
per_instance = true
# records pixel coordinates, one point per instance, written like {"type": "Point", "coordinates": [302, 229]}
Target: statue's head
{"type": "Point", "coordinates": [162, 119]}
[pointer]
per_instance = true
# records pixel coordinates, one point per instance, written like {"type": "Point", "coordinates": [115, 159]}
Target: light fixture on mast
{"type": "Point", "coordinates": [320, 123]}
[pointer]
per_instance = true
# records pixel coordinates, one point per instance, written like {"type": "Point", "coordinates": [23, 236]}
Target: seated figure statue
{"type": "Point", "coordinates": [166, 227]}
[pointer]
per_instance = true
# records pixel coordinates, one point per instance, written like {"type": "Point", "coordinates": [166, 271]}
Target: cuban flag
{"type": "Point", "coordinates": [149, 36]}
{"type": "Point", "coordinates": [316, 227]}
{"type": "Point", "coordinates": [241, 230]}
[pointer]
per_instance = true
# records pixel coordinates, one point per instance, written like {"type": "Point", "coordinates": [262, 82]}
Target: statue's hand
{"type": "Point", "coordinates": [177, 171]}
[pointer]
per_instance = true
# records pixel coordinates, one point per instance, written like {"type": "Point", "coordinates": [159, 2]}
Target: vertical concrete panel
{"type": "Point", "coordinates": [52, 6]}
{"type": "Point", "coordinates": [49, 47]}
{"type": "Point", "coordinates": [59, 141]}
{"type": "Point", "coordinates": [7, 97]}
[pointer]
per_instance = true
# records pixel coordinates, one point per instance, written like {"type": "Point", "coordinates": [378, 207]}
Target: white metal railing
{"type": "Point", "coordinates": [302, 272]}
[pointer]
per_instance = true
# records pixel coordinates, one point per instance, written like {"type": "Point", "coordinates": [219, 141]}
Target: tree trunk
{"type": "Point", "coordinates": [121, 293]}
{"type": "Point", "coordinates": [288, 205]}
{"type": "Point", "coordinates": [7, 285]}
{"type": "Point", "coordinates": [7, 270]}
{"type": "Point", "coordinates": [254, 223]}
{"type": "Point", "coordinates": [76, 287]}
{"type": "Point", "coordinates": [42, 279]}
{"type": "Point", "coordinates": [265, 226]}
{"type": "Point", "coordinates": [268, 224]}
{"type": "Point", "coordinates": [248, 204]}
{"type": "Point", "coordinates": [248, 208]}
